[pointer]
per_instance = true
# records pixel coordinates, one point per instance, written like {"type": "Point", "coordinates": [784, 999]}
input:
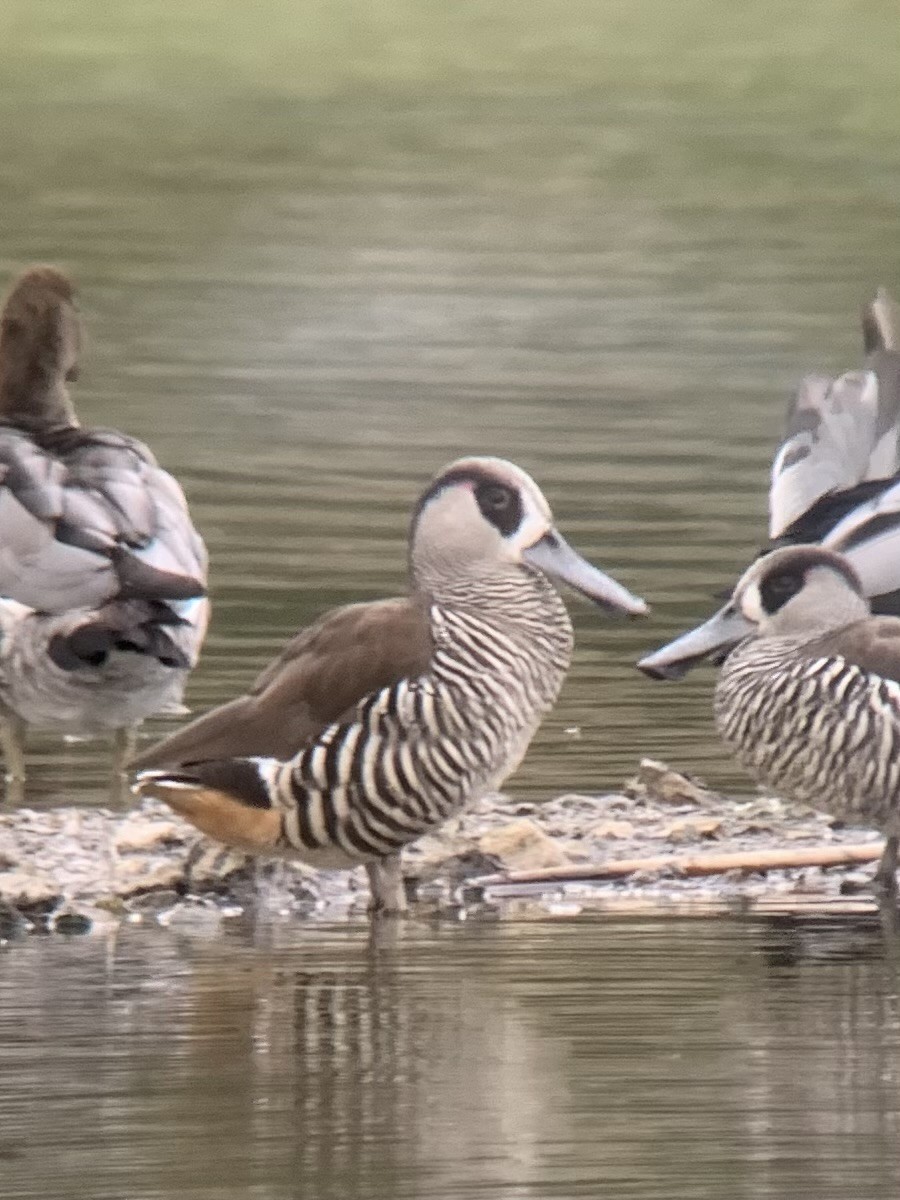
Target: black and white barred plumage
{"type": "Point", "coordinates": [809, 703]}
{"type": "Point", "coordinates": [416, 752]}
{"type": "Point", "coordinates": [821, 730]}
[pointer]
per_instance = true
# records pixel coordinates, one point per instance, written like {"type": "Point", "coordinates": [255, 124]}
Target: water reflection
{"type": "Point", "coordinates": [677, 1059]}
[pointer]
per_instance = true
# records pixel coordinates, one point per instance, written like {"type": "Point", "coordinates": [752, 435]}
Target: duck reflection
{"type": "Point", "coordinates": [685, 1058]}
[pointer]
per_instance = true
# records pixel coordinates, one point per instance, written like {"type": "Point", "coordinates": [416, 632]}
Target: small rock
{"type": "Point", "coordinates": [765, 807]}
{"type": "Point", "coordinates": [71, 923]}
{"type": "Point", "coordinates": [28, 889]}
{"type": "Point", "coordinates": [10, 855]}
{"type": "Point", "coordinates": [12, 922]}
{"type": "Point", "coordinates": [657, 782]}
{"type": "Point", "coordinates": [611, 828]}
{"type": "Point", "coordinates": [693, 829]}
{"type": "Point", "coordinates": [855, 883]}
{"type": "Point", "coordinates": [645, 877]}
{"type": "Point", "coordinates": [191, 917]}
{"type": "Point", "coordinates": [139, 833]}
{"type": "Point", "coordinates": [153, 902]}
{"type": "Point", "coordinates": [139, 875]}
{"type": "Point", "coordinates": [522, 846]}
{"type": "Point", "coordinates": [575, 804]}
{"type": "Point", "coordinates": [563, 908]}
{"type": "Point", "coordinates": [457, 868]}
{"type": "Point", "coordinates": [809, 880]}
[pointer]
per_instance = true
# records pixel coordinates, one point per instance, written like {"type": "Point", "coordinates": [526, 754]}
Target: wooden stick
{"type": "Point", "coordinates": [697, 864]}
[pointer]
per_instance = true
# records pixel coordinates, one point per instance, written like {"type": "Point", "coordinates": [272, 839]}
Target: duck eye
{"type": "Point", "coordinates": [496, 498]}
{"type": "Point", "coordinates": [776, 590]}
{"type": "Point", "coordinates": [501, 505]}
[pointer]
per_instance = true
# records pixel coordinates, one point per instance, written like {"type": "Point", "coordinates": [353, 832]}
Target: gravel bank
{"type": "Point", "coordinates": [76, 870]}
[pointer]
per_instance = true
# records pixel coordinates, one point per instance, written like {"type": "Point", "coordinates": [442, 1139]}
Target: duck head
{"type": "Point", "coordinates": [481, 518]}
{"type": "Point", "coordinates": [792, 592]}
{"type": "Point", "coordinates": [40, 338]}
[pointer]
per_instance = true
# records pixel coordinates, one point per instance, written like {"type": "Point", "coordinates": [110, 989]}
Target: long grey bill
{"type": "Point", "coordinates": [555, 557]}
{"type": "Point", "coordinates": [718, 635]}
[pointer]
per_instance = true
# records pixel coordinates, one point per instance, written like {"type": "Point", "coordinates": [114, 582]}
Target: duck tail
{"type": "Point", "coordinates": [231, 800]}
{"type": "Point", "coordinates": [143, 627]}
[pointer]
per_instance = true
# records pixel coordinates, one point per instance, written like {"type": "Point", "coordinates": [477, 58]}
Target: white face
{"type": "Point", "coordinates": [482, 514]}
{"type": "Point", "coordinates": [749, 604]}
{"type": "Point", "coordinates": [767, 587]}
{"type": "Point", "coordinates": [797, 588]}
{"type": "Point", "coordinates": [482, 508]}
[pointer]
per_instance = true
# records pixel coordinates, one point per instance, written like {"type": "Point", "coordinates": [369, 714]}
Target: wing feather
{"type": "Point", "coordinates": [873, 644]}
{"type": "Point", "coordinates": [320, 677]}
{"type": "Point", "coordinates": [86, 516]}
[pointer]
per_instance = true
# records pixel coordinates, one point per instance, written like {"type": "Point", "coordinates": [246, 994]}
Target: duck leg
{"type": "Point", "coordinates": [886, 876]}
{"type": "Point", "coordinates": [124, 747]}
{"type": "Point", "coordinates": [12, 740]}
{"type": "Point", "coordinates": [386, 884]}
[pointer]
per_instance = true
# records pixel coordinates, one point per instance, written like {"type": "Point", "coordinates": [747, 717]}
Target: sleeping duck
{"type": "Point", "coordinates": [102, 574]}
{"type": "Point", "coordinates": [835, 481]}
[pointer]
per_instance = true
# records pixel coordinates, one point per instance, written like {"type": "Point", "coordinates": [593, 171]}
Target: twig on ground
{"type": "Point", "coordinates": [696, 864]}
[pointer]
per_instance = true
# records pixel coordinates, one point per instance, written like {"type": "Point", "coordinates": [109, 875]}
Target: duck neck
{"type": "Point", "coordinates": [515, 600]}
{"type": "Point", "coordinates": [36, 362]}
{"type": "Point", "coordinates": [34, 400]}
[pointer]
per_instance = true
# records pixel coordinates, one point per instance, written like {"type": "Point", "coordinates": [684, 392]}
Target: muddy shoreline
{"type": "Point", "coordinates": [77, 870]}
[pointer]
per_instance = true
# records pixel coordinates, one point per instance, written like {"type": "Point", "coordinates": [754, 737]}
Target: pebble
{"type": "Point", "coordinates": [83, 871]}
{"type": "Point", "coordinates": [611, 829]}
{"type": "Point", "coordinates": [693, 829]}
{"type": "Point", "coordinates": [657, 782]}
{"type": "Point", "coordinates": [523, 846]}
{"type": "Point", "coordinates": [139, 833]}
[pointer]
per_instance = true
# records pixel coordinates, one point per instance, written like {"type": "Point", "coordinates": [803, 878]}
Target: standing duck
{"type": "Point", "coordinates": [102, 574]}
{"type": "Point", "coordinates": [809, 702]}
{"type": "Point", "coordinates": [835, 481]}
{"type": "Point", "coordinates": [383, 719]}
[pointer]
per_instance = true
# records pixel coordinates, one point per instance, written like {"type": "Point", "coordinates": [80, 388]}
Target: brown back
{"type": "Point", "coordinates": [873, 644]}
{"type": "Point", "coordinates": [319, 678]}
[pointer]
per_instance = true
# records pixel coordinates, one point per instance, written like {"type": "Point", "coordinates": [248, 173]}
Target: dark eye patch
{"type": "Point", "coordinates": [494, 497]}
{"type": "Point", "coordinates": [497, 501]}
{"type": "Point", "coordinates": [499, 504]}
{"type": "Point", "coordinates": [776, 589]}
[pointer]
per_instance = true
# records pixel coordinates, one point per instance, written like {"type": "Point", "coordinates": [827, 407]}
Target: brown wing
{"type": "Point", "coordinates": [873, 644]}
{"type": "Point", "coordinates": [320, 676]}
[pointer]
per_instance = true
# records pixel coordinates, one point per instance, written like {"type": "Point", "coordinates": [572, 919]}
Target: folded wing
{"type": "Point", "coordinates": [319, 678]}
{"type": "Point", "coordinates": [86, 517]}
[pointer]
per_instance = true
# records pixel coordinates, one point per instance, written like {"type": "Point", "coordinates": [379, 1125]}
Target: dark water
{"type": "Point", "coordinates": [620, 1059]}
{"type": "Point", "coordinates": [323, 248]}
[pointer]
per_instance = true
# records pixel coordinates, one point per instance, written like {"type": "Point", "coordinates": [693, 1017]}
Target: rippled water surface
{"type": "Point", "coordinates": [583, 1059]}
{"type": "Point", "coordinates": [323, 248]}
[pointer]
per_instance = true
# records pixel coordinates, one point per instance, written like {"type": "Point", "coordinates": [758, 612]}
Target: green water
{"type": "Point", "coordinates": [323, 249]}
